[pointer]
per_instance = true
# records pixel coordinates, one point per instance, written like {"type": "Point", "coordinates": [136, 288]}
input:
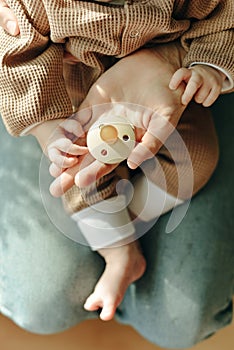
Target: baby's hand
{"type": "Point", "coordinates": [203, 83]}
{"type": "Point", "coordinates": [58, 140]}
{"type": "Point", "coordinates": [8, 20]}
{"type": "Point", "coordinates": [66, 146]}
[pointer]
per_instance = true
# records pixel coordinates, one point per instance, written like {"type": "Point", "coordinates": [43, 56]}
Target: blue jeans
{"type": "Point", "coordinates": [186, 293]}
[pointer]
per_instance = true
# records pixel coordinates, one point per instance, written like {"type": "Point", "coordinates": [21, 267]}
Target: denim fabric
{"type": "Point", "coordinates": [185, 294]}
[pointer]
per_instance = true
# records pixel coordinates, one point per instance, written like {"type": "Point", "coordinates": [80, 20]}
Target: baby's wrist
{"type": "Point", "coordinates": [222, 75]}
{"type": "Point", "coordinates": [226, 79]}
{"type": "Point", "coordinates": [44, 132]}
{"type": "Point", "coordinates": [44, 127]}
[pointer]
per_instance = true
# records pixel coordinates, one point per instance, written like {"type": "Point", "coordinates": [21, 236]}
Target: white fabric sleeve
{"type": "Point", "coordinates": [228, 83]}
{"type": "Point", "coordinates": [106, 223]}
{"type": "Point", "coordinates": [150, 201]}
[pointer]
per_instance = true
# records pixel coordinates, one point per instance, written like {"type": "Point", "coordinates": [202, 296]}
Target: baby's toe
{"type": "Point", "coordinates": [108, 311]}
{"type": "Point", "coordinates": [93, 303]}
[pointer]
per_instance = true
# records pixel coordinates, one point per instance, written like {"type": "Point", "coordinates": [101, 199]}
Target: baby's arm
{"type": "Point", "coordinates": [203, 83]}
{"type": "Point", "coordinates": [210, 37]}
{"type": "Point", "coordinates": [32, 87]}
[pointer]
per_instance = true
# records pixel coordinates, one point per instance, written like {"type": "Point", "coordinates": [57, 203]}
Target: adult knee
{"type": "Point", "coordinates": [177, 321]}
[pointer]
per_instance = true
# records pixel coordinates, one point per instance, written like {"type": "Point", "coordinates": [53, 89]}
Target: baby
{"type": "Point", "coordinates": [124, 44]}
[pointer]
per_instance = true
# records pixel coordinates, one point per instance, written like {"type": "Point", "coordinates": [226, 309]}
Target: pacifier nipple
{"type": "Point", "coordinates": [109, 134]}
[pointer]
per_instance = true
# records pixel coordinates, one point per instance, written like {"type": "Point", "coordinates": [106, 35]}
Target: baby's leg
{"type": "Point", "coordinates": [182, 166]}
{"type": "Point", "coordinates": [124, 265]}
{"type": "Point", "coordinates": [103, 219]}
{"type": "Point", "coordinates": [171, 180]}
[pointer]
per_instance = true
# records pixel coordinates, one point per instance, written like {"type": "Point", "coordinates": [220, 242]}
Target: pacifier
{"type": "Point", "coordinates": [111, 140]}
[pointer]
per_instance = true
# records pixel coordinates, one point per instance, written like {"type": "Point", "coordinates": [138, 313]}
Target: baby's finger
{"type": "Point", "coordinates": [8, 20]}
{"type": "Point", "coordinates": [61, 160]}
{"type": "Point", "coordinates": [66, 146]}
{"type": "Point", "coordinates": [190, 90]}
{"type": "Point", "coordinates": [67, 179]}
{"type": "Point", "coordinates": [212, 97]}
{"type": "Point", "coordinates": [54, 170]}
{"type": "Point", "coordinates": [92, 172]}
{"type": "Point", "coordinates": [182, 74]}
{"type": "Point", "coordinates": [202, 94]}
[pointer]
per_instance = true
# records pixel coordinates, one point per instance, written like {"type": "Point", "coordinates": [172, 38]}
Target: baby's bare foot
{"type": "Point", "coordinates": [124, 265]}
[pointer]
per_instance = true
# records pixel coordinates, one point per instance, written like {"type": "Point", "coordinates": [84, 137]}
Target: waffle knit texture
{"type": "Point", "coordinates": [32, 84]}
{"type": "Point", "coordinates": [77, 199]}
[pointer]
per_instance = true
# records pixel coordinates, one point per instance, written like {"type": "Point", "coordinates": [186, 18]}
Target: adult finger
{"type": "Point", "coordinates": [65, 145]}
{"type": "Point", "coordinates": [61, 160]}
{"type": "Point", "coordinates": [8, 20]}
{"type": "Point", "coordinates": [54, 170]}
{"type": "Point", "coordinates": [159, 129]}
{"type": "Point", "coordinates": [91, 173]}
{"type": "Point", "coordinates": [67, 179]}
{"type": "Point", "coordinates": [64, 181]}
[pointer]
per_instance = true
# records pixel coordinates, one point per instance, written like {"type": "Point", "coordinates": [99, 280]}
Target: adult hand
{"type": "Point", "coordinates": [141, 79]}
{"type": "Point", "coordinates": [140, 82]}
{"type": "Point", "coordinates": [8, 20]}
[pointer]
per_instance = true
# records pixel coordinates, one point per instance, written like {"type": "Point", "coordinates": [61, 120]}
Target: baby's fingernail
{"type": "Point", "coordinates": [11, 27]}
{"type": "Point", "coordinates": [77, 179]}
{"type": "Point", "coordinates": [184, 101]}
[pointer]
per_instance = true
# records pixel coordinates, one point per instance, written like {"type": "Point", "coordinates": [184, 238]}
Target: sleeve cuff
{"type": "Point", "coordinates": [25, 132]}
{"type": "Point", "coordinates": [228, 83]}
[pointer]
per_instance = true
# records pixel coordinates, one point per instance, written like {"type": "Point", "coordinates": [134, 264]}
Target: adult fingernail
{"type": "Point", "coordinates": [11, 27]}
{"type": "Point", "coordinates": [132, 165]}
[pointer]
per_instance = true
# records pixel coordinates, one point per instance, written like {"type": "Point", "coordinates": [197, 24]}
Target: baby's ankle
{"type": "Point", "coordinates": [122, 253]}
